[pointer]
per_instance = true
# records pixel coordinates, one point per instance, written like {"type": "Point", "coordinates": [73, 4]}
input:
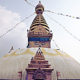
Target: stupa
{"type": "Point", "coordinates": [38, 57]}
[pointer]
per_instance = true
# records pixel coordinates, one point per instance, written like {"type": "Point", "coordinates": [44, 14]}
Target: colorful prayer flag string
{"type": "Point", "coordinates": [29, 3]}
{"type": "Point", "coordinates": [75, 37]}
{"type": "Point", "coordinates": [62, 14]}
{"type": "Point", "coordinates": [16, 25]}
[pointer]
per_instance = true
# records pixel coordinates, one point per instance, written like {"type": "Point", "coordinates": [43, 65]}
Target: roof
{"type": "Point", "coordinates": [18, 60]}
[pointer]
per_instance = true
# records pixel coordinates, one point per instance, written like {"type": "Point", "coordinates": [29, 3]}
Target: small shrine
{"type": "Point", "coordinates": [39, 69]}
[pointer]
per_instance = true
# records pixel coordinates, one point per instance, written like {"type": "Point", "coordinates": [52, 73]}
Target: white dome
{"type": "Point", "coordinates": [16, 61]}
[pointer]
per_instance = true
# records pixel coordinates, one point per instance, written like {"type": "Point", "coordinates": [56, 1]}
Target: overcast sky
{"type": "Point", "coordinates": [13, 11]}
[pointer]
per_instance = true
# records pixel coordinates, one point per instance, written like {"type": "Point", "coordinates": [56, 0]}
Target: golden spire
{"type": "Point", "coordinates": [39, 33]}
{"type": "Point", "coordinates": [39, 19]}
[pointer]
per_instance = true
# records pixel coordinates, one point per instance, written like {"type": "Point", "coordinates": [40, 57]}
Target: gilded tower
{"type": "Point", "coordinates": [39, 34]}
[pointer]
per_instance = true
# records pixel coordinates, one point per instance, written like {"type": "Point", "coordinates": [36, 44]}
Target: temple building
{"type": "Point", "coordinates": [39, 69]}
{"type": "Point", "coordinates": [38, 61]}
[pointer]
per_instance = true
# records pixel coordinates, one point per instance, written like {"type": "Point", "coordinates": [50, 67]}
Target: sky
{"type": "Point", "coordinates": [13, 11]}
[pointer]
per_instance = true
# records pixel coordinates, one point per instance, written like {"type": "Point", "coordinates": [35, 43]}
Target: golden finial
{"type": "Point", "coordinates": [39, 8]}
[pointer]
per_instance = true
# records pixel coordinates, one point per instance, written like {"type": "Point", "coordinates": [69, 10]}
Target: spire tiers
{"type": "Point", "coordinates": [39, 33]}
{"type": "Point", "coordinates": [39, 20]}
